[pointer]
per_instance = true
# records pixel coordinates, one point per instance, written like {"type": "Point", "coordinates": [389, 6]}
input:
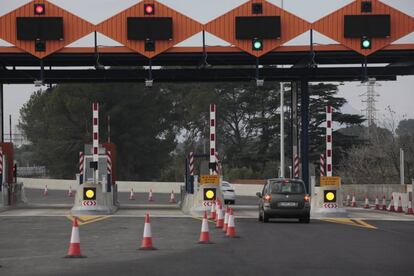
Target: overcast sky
{"type": "Point", "coordinates": [399, 95]}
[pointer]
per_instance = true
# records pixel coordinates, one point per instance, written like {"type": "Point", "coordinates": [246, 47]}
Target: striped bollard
{"type": "Point", "coordinates": [95, 137]}
{"type": "Point", "coordinates": [212, 137]}
{"type": "Point", "coordinates": [296, 166]}
{"type": "Point", "coordinates": [81, 161]}
{"type": "Point", "coordinates": [322, 164]}
{"type": "Point", "coordinates": [329, 140]}
{"type": "Point", "coordinates": [109, 170]}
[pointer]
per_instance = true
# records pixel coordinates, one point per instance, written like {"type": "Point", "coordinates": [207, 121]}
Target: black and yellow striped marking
{"type": "Point", "coordinates": [351, 222]}
{"type": "Point", "coordinates": [82, 220]}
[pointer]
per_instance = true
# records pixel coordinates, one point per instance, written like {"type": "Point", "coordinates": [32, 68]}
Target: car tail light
{"type": "Point", "coordinates": [267, 198]}
{"type": "Point", "coordinates": [307, 198]}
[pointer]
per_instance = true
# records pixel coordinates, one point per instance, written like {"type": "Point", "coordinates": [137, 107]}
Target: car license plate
{"type": "Point", "coordinates": [288, 204]}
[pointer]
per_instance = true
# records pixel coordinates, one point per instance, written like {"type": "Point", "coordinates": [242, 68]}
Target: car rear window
{"type": "Point", "coordinates": [291, 187]}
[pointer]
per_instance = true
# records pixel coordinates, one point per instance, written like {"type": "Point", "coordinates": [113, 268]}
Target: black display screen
{"type": "Point", "coordinates": [155, 28]}
{"type": "Point", "coordinates": [249, 27]}
{"type": "Point", "coordinates": [43, 28]}
{"type": "Point", "coordinates": [367, 25]}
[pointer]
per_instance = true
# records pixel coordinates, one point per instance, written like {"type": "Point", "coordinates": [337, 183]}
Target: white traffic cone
{"type": "Point", "coordinates": [226, 220]}
{"type": "Point", "coordinates": [74, 250]}
{"type": "Point", "coordinates": [377, 206]}
{"type": "Point", "coordinates": [132, 195]}
{"type": "Point", "coordinates": [353, 202]}
{"type": "Point", "coordinates": [366, 205]}
{"type": "Point", "coordinates": [146, 243]}
{"type": "Point", "coordinates": [70, 193]}
{"type": "Point", "coordinates": [46, 191]}
{"type": "Point", "coordinates": [213, 211]}
{"type": "Point", "coordinates": [204, 234]}
{"type": "Point", "coordinates": [220, 217]}
{"type": "Point", "coordinates": [348, 200]}
{"type": "Point", "coordinates": [231, 227]}
{"type": "Point", "coordinates": [150, 196]}
{"type": "Point", "coordinates": [172, 197]}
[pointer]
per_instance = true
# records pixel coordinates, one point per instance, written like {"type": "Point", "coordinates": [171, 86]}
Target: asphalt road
{"type": "Point", "coordinates": [36, 245]}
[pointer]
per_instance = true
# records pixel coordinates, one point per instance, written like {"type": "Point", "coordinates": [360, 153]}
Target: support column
{"type": "Point", "coordinates": [304, 141]}
{"type": "Point", "coordinates": [294, 122]}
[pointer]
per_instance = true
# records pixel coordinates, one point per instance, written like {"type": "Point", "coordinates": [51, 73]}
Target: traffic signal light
{"type": "Point", "coordinates": [329, 196]}
{"type": "Point", "coordinates": [40, 45]}
{"type": "Point", "coordinates": [209, 193]}
{"type": "Point", "coordinates": [39, 9]}
{"type": "Point", "coordinates": [89, 193]}
{"type": "Point", "coordinates": [257, 44]}
{"type": "Point", "coordinates": [149, 9]}
{"type": "Point", "coordinates": [149, 45]}
{"type": "Point", "coordinates": [257, 8]}
{"type": "Point", "coordinates": [365, 43]}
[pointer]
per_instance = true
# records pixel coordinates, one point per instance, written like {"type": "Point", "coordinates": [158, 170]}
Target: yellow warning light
{"type": "Point", "coordinates": [330, 196]}
{"type": "Point", "coordinates": [210, 194]}
{"type": "Point", "coordinates": [89, 193]}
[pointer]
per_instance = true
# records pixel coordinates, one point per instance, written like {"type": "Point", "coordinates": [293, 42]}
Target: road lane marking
{"type": "Point", "coordinates": [351, 222]}
{"type": "Point", "coordinates": [82, 220]}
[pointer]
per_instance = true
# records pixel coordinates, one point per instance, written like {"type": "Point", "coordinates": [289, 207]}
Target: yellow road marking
{"type": "Point", "coordinates": [82, 220]}
{"type": "Point", "coordinates": [351, 222]}
{"type": "Point", "coordinates": [209, 220]}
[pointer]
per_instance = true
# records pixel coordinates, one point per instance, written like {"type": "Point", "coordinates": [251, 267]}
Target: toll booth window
{"type": "Point", "coordinates": [293, 187]}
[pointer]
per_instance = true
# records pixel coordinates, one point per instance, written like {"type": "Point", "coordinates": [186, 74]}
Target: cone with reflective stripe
{"type": "Point", "coordinates": [384, 203]}
{"type": "Point", "coordinates": [46, 191]}
{"type": "Point", "coordinates": [392, 208]}
{"type": "Point", "coordinates": [74, 250]}
{"type": "Point", "coordinates": [410, 208]}
{"type": "Point", "coordinates": [231, 227]}
{"type": "Point", "coordinates": [172, 197]}
{"type": "Point", "coordinates": [353, 202]}
{"type": "Point", "coordinates": [366, 204]}
{"type": "Point", "coordinates": [150, 196]}
{"type": "Point", "coordinates": [146, 243]}
{"type": "Point", "coordinates": [377, 206]}
{"type": "Point", "coordinates": [226, 220]}
{"type": "Point", "coordinates": [70, 193]}
{"type": "Point", "coordinates": [220, 217]}
{"type": "Point", "coordinates": [132, 195]}
{"type": "Point", "coordinates": [348, 200]}
{"type": "Point", "coordinates": [204, 235]}
{"type": "Point", "coordinates": [213, 211]}
{"type": "Point", "coordinates": [399, 208]}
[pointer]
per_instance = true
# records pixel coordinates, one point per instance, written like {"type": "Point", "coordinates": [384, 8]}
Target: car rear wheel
{"type": "Point", "coordinates": [260, 216]}
{"type": "Point", "coordinates": [304, 220]}
{"type": "Point", "coordinates": [265, 217]}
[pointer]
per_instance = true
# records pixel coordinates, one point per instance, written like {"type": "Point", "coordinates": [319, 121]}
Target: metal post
{"type": "Point", "coordinates": [186, 178]}
{"type": "Point", "coordinates": [304, 141]}
{"type": "Point", "coordinates": [213, 124]}
{"type": "Point", "coordinates": [294, 120]}
{"type": "Point", "coordinates": [282, 132]}
{"type": "Point", "coordinates": [10, 129]}
{"type": "Point", "coordinates": [401, 166]}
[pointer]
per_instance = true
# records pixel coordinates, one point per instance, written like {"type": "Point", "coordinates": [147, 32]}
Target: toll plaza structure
{"type": "Point", "coordinates": [150, 31]}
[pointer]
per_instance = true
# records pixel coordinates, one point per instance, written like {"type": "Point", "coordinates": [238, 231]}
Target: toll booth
{"type": "Point", "coordinates": [12, 192]}
{"type": "Point", "coordinates": [97, 191]}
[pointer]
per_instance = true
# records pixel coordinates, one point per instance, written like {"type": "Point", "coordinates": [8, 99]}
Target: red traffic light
{"type": "Point", "coordinates": [149, 9]}
{"type": "Point", "coordinates": [39, 9]}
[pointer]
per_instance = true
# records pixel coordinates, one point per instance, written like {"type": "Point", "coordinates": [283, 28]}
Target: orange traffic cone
{"type": "Point", "coordinates": [226, 220]}
{"type": "Point", "coordinates": [220, 217]}
{"type": "Point", "coordinates": [399, 208]}
{"type": "Point", "coordinates": [392, 208]}
{"type": "Point", "coordinates": [353, 202]}
{"type": "Point", "coordinates": [410, 208]}
{"type": "Point", "coordinates": [204, 235]}
{"type": "Point", "coordinates": [231, 227]}
{"type": "Point", "coordinates": [172, 197]}
{"type": "Point", "coordinates": [348, 200]}
{"type": "Point", "coordinates": [70, 193]}
{"type": "Point", "coordinates": [146, 243]}
{"type": "Point", "coordinates": [74, 246]}
{"type": "Point", "coordinates": [45, 192]}
{"type": "Point", "coordinates": [213, 211]}
{"type": "Point", "coordinates": [377, 206]}
{"type": "Point", "coordinates": [366, 204]}
{"type": "Point", "coordinates": [150, 196]}
{"type": "Point", "coordinates": [384, 203]}
{"type": "Point", "coordinates": [131, 195]}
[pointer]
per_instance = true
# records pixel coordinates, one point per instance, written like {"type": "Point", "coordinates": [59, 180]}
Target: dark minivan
{"type": "Point", "coordinates": [284, 198]}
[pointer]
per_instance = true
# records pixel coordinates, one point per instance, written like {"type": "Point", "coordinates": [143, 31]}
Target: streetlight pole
{"type": "Point", "coordinates": [282, 133]}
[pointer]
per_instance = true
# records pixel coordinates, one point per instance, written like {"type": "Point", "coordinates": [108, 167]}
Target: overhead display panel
{"type": "Point", "coordinates": [357, 26]}
{"type": "Point", "coordinates": [43, 28]}
{"type": "Point", "coordinates": [154, 28]}
{"type": "Point", "coordinates": [265, 27]}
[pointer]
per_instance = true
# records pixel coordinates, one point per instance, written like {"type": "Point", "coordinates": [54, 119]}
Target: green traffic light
{"type": "Point", "coordinates": [366, 43]}
{"type": "Point", "coordinates": [257, 45]}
